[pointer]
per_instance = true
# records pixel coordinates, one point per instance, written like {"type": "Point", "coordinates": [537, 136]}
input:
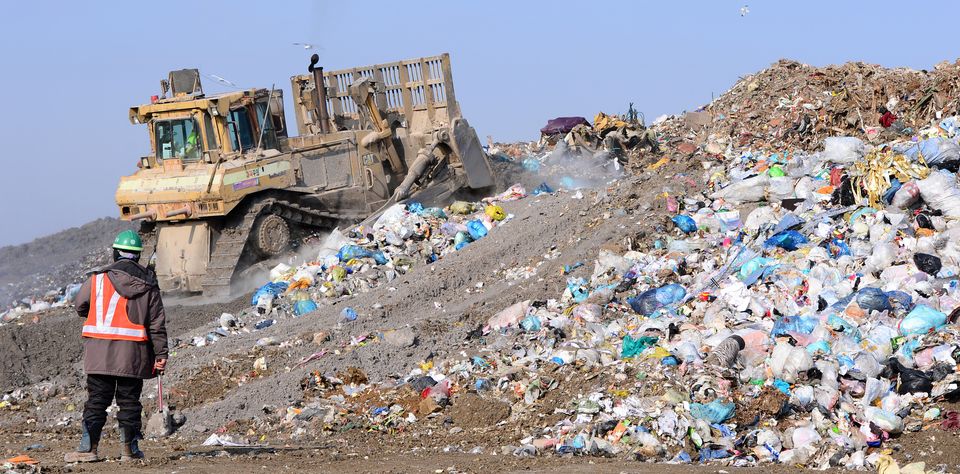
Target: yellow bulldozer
{"type": "Point", "coordinates": [225, 186]}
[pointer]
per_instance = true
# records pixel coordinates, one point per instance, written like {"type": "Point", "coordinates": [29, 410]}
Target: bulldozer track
{"type": "Point", "coordinates": [230, 246]}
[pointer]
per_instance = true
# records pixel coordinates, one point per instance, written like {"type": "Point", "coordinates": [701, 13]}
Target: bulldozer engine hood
{"type": "Point", "coordinates": [197, 190]}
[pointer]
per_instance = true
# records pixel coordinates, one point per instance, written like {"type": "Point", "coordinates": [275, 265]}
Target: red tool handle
{"type": "Point", "coordinates": [159, 393]}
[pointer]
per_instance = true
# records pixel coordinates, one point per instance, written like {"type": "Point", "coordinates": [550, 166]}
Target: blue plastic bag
{"type": "Point", "coordinates": [794, 324]}
{"type": "Point", "coordinates": [415, 207]}
{"type": "Point", "coordinates": [873, 299]}
{"type": "Point", "coordinates": [650, 301]}
{"type": "Point", "coordinates": [901, 301]}
{"type": "Point", "coordinates": [788, 240]}
{"type": "Point", "coordinates": [303, 307]}
{"type": "Point", "coordinates": [842, 325]}
{"type": "Point", "coordinates": [713, 412]}
{"type": "Point", "coordinates": [922, 320]}
{"type": "Point", "coordinates": [476, 229]}
{"type": "Point", "coordinates": [685, 223]}
{"type": "Point", "coordinates": [348, 314]}
{"type": "Point", "coordinates": [349, 252]}
{"type": "Point", "coordinates": [578, 289]}
{"type": "Point", "coordinates": [839, 248]}
{"type": "Point", "coordinates": [531, 164]}
{"type": "Point", "coordinates": [788, 222]}
{"type": "Point", "coordinates": [271, 289]}
{"type": "Point", "coordinates": [544, 188]}
{"type": "Point", "coordinates": [895, 186]}
{"type": "Point", "coordinates": [531, 324]}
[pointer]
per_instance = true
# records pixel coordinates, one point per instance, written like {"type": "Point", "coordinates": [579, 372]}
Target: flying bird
{"type": "Point", "coordinates": [305, 45]}
{"type": "Point", "coordinates": [744, 10]}
{"type": "Point", "coordinates": [222, 80]}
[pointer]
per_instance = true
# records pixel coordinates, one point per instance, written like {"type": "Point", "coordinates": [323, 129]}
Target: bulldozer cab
{"type": "Point", "coordinates": [191, 127]}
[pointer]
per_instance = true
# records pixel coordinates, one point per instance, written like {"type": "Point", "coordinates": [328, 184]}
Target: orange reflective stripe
{"type": "Point", "coordinates": [107, 317]}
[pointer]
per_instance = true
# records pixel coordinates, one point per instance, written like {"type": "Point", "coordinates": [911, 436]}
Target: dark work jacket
{"type": "Point", "coordinates": [144, 307]}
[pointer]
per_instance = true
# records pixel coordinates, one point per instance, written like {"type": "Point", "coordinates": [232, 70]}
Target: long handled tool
{"type": "Point", "coordinates": [160, 423]}
{"type": "Point", "coordinates": [160, 392]}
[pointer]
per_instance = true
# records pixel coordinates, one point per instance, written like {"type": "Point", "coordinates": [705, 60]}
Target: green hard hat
{"type": "Point", "coordinates": [128, 240]}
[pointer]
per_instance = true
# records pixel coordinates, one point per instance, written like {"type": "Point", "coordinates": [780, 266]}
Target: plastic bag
{"type": "Point", "coordinates": [885, 420]}
{"type": "Point", "coordinates": [881, 258]}
{"type": "Point", "coordinates": [509, 316]}
{"type": "Point", "coordinates": [780, 188]}
{"type": "Point", "coordinates": [650, 301]}
{"type": "Point", "coordinates": [927, 263]}
{"type": "Point", "coordinates": [921, 320]}
{"type": "Point", "coordinates": [348, 314]}
{"type": "Point", "coordinates": [940, 192]}
{"type": "Point", "coordinates": [748, 190]}
{"type": "Point", "coordinates": [787, 361]}
{"type": "Point", "coordinates": [685, 223]}
{"type": "Point", "coordinates": [495, 212]}
{"type": "Point", "coordinates": [789, 240]}
{"type": "Point", "coordinates": [873, 299]}
{"type": "Point", "coordinates": [350, 252]}
{"type": "Point", "coordinates": [462, 207]}
{"type": "Point", "coordinates": [935, 151]}
{"type": "Point", "coordinates": [843, 150]}
{"type": "Point", "coordinates": [633, 346]}
{"type": "Point", "coordinates": [415, 207]}
{"type": "Point", "coordinates": [544, 188]}
{"type": "Point", "coordinates": [794, 324]}
{"type": "Point", "coordinates": [303, 307]}
{"type": "Point", "coordinates": [713, 412]}
{"type": "Point", "coordinates": [477, 229]}
{"type": "Point", "coordinates": [270, 290]}
{"type": "Point", "coordinates": [590, 313]}
{"type": "Point", "coordinates": [911, 380]}
{"type": "Point", "coordinates": [906, 196]}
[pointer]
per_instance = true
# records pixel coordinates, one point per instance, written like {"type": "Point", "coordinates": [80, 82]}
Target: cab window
{"type": "Point", "coordinates": [266, 124]}
{"type": "Point", "coordinates": [241, 132]}
{"type": "Point", "coordinates": [179, 138]}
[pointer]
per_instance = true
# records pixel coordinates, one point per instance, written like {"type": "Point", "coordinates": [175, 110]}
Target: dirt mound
{"type": "Point", "coordinates": [792, 105]}
{"type": "Point", "coordinates": [473, 411]}
{"type": "Point", "coordinates": [55, 261]}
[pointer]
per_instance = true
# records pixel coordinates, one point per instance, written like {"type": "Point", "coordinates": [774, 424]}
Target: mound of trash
{"type": "Point", "coordinates": [792, 106]}
{"type": "Point", "coordinates": [801, 311]}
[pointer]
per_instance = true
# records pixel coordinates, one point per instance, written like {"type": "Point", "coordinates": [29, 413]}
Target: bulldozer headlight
{"type": "Point", "coordinates": [144, 162]}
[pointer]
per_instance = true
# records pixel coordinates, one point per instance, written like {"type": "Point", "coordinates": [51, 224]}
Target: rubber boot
{"type": "Point", "coordinates": [87, 450]}
{"type": "Point", "coordinates": [129, 451]}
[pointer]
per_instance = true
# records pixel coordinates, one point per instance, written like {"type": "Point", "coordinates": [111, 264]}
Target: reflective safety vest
{"type": "Point", "coordinates": [107, 318]}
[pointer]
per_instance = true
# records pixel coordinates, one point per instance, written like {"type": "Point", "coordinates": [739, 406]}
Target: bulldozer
{"type": "Point", "coordinates": [225, 186]}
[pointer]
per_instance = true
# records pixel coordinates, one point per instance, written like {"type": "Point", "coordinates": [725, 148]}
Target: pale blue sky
{"type": "Point", "coordinates": [71, 69]}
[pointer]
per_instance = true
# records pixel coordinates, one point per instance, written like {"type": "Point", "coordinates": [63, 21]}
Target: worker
{"type": "Point", "coordinates": [125, 342]}
{"type": "Point", "coordinates": [191, 150]}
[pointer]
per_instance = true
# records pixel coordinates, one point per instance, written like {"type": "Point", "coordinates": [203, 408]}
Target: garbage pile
{"type": "Point", "coordinates": [815, 326]}
{"type": "Point", "coordinates": [796, 106]}
{"type": "Point", "coordinates": [812, 324]}
{"type": "Point", "coordinates": [366, 256]}
{"type": "Point", "coordinates": [573, 154]}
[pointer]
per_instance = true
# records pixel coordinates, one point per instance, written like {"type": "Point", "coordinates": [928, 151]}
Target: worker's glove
{"type": "Point", "coordinates": [159, 365]}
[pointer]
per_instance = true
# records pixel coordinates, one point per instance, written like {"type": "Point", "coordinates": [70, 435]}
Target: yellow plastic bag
{"type": "Point", "coordinates": [338, 273]}
{"type": "Point", "coordinates": [496, 212]}
{"type": "Point", "coordinates": [462, 207]}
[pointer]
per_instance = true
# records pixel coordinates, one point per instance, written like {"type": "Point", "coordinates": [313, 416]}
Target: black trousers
{"type": "Point", "coordinates": [101, 390]}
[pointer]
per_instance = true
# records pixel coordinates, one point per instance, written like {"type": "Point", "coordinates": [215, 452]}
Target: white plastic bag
{"type": "Point", "coordinates": [940, 191]}
{"type": "Point", "coordinates": [906, 196]}
{"type": "Point", "coordinates": [748, 190]}
{"type": "Point", "coordinates": [780, 188]}
{"type": "Point", "coordinates": [843, 150]}
{"type": "Point", "coordinates": [786, 361]}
